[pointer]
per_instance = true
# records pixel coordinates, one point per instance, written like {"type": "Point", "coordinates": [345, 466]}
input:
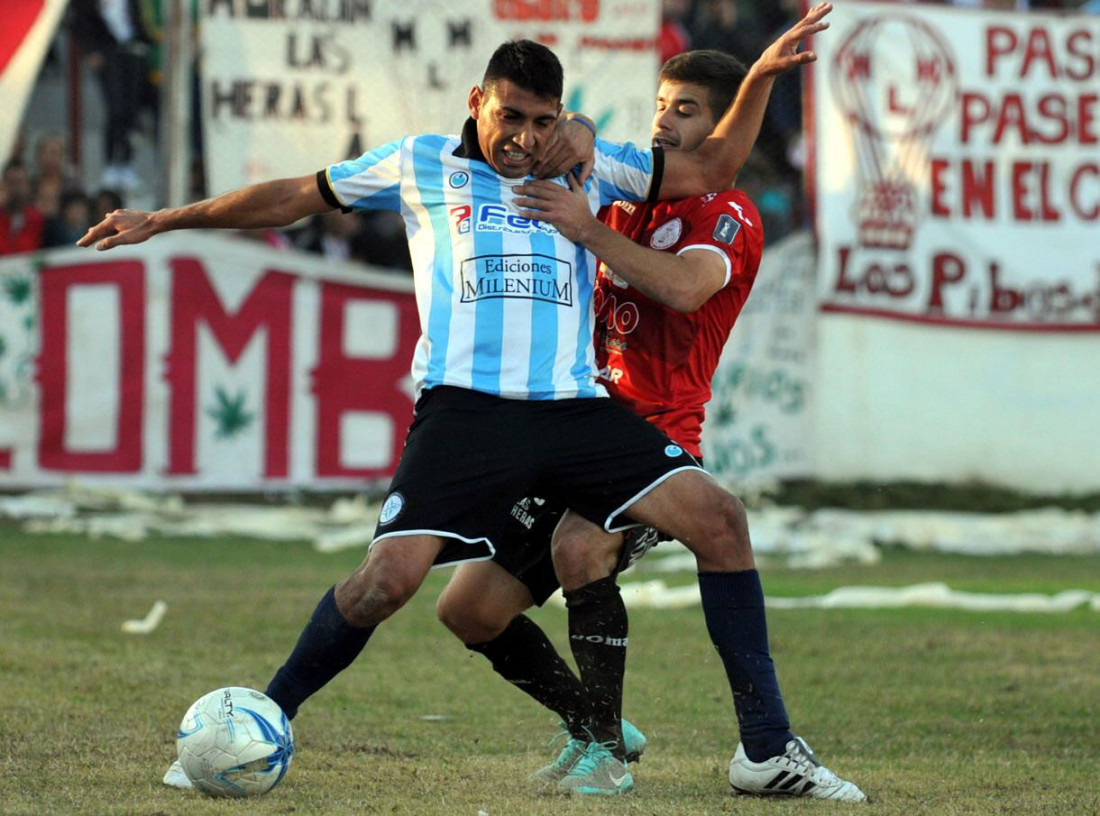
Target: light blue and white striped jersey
{"type": "Point", "coordinates": [505, 303]}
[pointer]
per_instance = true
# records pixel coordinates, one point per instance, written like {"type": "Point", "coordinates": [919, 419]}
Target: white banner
{"type": "Point", "coordinates": [292, 86]}
{"type": "Point", "coordinates": [26, 29]}
{"type": "Point", "coordinates": [202, 362]}
{"type": "Point", "coordinates": [957, 166]}
{"type": "Point", "coordinates": [758, 421]}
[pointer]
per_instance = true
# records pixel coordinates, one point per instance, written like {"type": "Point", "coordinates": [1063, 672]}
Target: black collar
{"type": "Point", "coordinates": [470, 148]}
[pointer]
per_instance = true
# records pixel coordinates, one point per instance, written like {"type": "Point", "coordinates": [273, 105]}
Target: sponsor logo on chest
{"type": "Point", "coordinates": [528, 277]}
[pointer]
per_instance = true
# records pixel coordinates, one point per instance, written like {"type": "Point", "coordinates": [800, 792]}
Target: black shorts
{"type": "Point", "coordinates": [523, 548]}
{"type": "Point", "coordinates": [469, 457]}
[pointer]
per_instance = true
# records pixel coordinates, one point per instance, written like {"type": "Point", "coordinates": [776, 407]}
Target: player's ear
{"type": "Point", "coordinates": [477, 96]}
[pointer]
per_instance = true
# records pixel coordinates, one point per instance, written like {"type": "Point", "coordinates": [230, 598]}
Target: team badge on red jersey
{"type": "Point", "coordinates": [667, 234]}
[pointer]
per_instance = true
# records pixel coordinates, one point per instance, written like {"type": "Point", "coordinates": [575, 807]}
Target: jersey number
{"type": "Point", "coordinates": [622, 317]}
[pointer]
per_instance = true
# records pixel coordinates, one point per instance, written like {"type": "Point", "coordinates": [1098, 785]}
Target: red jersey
{"type": "Point", "coordinates": [656, 361]}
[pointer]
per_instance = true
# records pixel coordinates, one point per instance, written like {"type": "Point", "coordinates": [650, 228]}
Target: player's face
{"type": "Point", "coordinates": [683, 118]}
{"type": "Point", "coordinates": [513, 126]}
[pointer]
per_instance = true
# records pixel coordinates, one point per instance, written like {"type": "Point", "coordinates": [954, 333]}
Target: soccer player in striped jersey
{"type": "Point", "coordinates": [659, 337]}
{"type": "Point", "coordinates": [508, 398]}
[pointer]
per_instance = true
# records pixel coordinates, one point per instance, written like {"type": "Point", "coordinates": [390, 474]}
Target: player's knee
{"type": "Point", "coordinates": [721, 538]}
{"type": "Point", "coordinates": [469, 622]}
{"type": "Point", "coordinates": [367, 600]}
{"type": "Point", "coordinates": [580, 560]}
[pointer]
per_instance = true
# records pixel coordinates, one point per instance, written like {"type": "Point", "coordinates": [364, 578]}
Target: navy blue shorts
{"type": "Point", "coordinates": [469, 457]}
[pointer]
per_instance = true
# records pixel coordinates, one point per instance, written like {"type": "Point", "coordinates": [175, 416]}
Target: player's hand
{"type": "Point", "coordinates": [783, 54]}
{"type": "Point", "coordinates": [565, 208]}
{"type": "Point", "coordinates": [120, 227]}
{"type": "Point", "coordinates": [570, 144]}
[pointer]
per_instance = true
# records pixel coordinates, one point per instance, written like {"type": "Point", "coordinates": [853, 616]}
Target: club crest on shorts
{"type": "Point", "coordinates": [391, 508]}
{"type": "Point", "coordinates": [672, 451]}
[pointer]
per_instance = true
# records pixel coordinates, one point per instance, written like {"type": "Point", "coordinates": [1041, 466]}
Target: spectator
{"type": "Point", "coordinates": [382, 241]}
{"type": "Point", "coordinates": [106, 200]}
{"type": "Point", "coordinates": [721, 26]}
{"type": "Point", "coordinates": [117, 41]}
{"type": "Point", "coordinates": [52, 179]}
{"type": "Point", "coordinates": [72, 220]}
{"type": "Point", "coordinates": [673, 37]}
{"type": "Point", "coordinates": [21, 224]}
{"type": "Point", "coordinates": [330, 234]}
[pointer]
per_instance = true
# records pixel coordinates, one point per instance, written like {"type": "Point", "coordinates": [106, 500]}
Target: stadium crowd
{"type": "Point", "coordinates": [45, 203]}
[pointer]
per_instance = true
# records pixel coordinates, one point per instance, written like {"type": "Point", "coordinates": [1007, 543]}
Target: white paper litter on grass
{"type": "Point", "coordinates": [800, 538]}
{"type": "Point", "coordinates": [656, 594]}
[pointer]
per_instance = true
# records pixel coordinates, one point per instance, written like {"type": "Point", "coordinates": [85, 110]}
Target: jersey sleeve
{"type": "Point", "coordinates": [730, 226]}
{"type": "Point", "coordinates": [625, 173]}
{"type": "Point", "coordinates": [370, 182]}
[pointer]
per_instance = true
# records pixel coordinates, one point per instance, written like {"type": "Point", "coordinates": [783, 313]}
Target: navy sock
{"type": "Point", "coordinates": [525, 657]}
{"type": "Point", "coordinates": [326, 647]}
{"type": "Point", "coordinates": [598, 637]}
{"type": "Point", "coordinates": [733, 604]}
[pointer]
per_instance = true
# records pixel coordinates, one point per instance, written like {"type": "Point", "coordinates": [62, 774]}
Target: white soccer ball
{"type": "Point", "coordinates": [235, 742]}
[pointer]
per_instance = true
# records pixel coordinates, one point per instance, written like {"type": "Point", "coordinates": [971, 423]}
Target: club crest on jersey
{"type": "Point", "coordinates": [391, 508]}
{"type": "Point", "coordinates": [726, 229]}
{"type": "Point", "coordinates": [459, 179]}
{"type": "Point", "coordinates": [667, 234]}
{"type": "Point", "coordinates": [672, 451]}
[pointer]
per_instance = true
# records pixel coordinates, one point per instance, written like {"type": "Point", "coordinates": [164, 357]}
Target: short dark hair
{"type": "Point", "coordinates": [530, 65]}
{"type": "Point", "coordinates": [720, 73]}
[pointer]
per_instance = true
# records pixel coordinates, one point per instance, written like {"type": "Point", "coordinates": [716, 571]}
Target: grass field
{"type": "Point", "coordinates": [930, 711]}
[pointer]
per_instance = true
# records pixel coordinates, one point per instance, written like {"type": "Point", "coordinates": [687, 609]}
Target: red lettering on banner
{"type": "Point", "coordinates": [267, 306]}
{"type": "Point", "coordinates": [346, 384]}
{"type": "Point", "coordinates": [977, 188]}
{"type": "Point", "coordinates": [546, 10]}
{"type": "Point", "coordinates": [947, 270]}
{"type": "Point", "coordinates": [893, 280]}
{"type": "Point", "coordinates": [859, 65]}
{"type": "Point", "coordinates": [1076, 195]}
{"type": "Point", "coordinates": [1036, 191]}
{"type": "Point", "coordinates": [1077, 45]}
{"type": "Point", "coordinates": [128, 278]}
{"type": "Point", "coordinates": [609, 44]}
{"type": "Point", "coordinates": [1050, 119]}
{"type": "Point", "coordinates": [1031, 180]}
{"type": "Point", "coordinates": [939, 188]}
{"type": "Point", "coordinates": [999, 41]}
{"type": "Point", "coordinates": [1070, 56]}
{"type": "Point", "coordinates": [1039, 50]}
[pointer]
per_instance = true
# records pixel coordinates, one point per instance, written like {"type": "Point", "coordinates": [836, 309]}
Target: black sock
{"type": "Point", "coordinates": [326, 647]}
{"type": "Point", "coordinates": [597, 634]}
{"type": "Point", "coordinates": [525, 657]}
{"type": "Point", "coordinates": [733, 604]}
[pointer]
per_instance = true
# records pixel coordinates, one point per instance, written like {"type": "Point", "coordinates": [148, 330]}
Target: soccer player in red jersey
{"type": "Point", "coordinates": [691, 264]}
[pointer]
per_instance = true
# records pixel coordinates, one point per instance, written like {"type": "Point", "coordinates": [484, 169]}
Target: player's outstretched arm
{"type": "Point", "coordinates": [269, 204]}
{"type": "Point", "coordinates": [681, 282]}
{"type": "Point", "coordinates": [716, 163]}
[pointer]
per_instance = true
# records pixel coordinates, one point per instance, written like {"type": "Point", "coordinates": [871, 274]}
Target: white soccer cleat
{"type": "Point", "coordinates": [796, 772]}
{"type": "Point", "coordinates": [174, 777]}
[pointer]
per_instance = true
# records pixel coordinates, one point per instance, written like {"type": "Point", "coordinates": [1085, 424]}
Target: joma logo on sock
{"type": "Point", "coordinates": [606, 641]}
